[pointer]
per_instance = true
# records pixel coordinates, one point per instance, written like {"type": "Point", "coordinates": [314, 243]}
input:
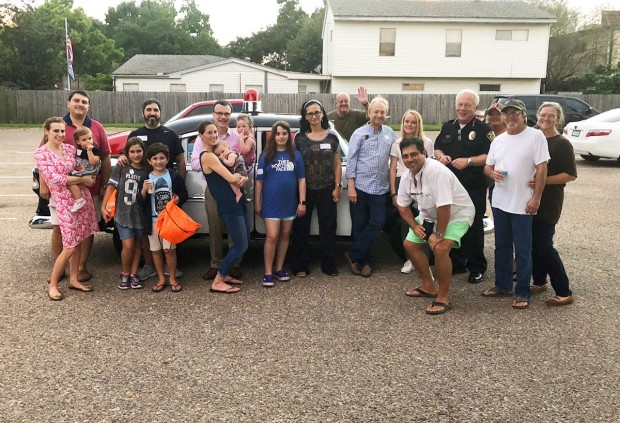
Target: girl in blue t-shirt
{"type": "Point", "coordinates": [280, 195]}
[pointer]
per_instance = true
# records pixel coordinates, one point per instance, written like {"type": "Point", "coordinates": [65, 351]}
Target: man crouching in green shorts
{"type": "Point", "coordinates": [446, 213]}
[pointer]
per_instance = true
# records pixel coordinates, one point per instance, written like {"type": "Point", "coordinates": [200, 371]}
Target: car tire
{"type": "Point", "coordinates": [589, 158]}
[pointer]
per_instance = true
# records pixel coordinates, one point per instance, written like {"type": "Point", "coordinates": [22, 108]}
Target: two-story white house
{"type": "Point", "coordinates": [204, 73]}
{"type": "Point", "coordinates": [409, 46]}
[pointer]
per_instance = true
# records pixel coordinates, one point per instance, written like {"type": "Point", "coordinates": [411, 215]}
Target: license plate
{"type": "Point", "coordinates": [575, 133]}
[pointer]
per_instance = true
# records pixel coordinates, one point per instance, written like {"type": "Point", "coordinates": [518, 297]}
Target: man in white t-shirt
{"type": "Point", "coordinates": [516, 157]}
{"type": "Point", "coordinates": [446, 210]}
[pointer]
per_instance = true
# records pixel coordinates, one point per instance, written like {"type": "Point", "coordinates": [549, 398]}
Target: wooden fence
{"type": "Point", "coordinates": [125, 107]}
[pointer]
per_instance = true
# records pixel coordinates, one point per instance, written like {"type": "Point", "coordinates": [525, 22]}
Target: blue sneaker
{"type": "Point", "coordinates": [123, 282]}
{"type": "Point", "coordinates": [281, 275]}
{"type": "Point", "coordinates": [147, 271]}
{"type": "Point", "coordinates": [268, 281]}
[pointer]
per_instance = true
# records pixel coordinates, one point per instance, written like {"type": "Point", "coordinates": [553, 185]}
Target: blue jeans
{"type": "Point", "coordinates": [513, 230]}
{"type": "Point", "coordinates": [237, 230]}
{"type": "Point", "coordinates": [367, 220]}
{"type": "Point", "coordinates": [546, 260]}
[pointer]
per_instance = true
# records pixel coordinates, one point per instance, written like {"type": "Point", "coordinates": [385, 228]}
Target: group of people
{"type": "Point", "coordinates": [439, 188]}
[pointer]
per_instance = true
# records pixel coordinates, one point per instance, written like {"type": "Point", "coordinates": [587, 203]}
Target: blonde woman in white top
{"type": "Point", "coordinates": [411, 126]}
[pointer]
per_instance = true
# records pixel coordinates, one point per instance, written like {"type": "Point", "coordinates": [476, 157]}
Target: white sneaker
{"type": "Point", "coordinates": [488, 224]}
{"type": "Point", "coordinates": [407, 267]}
{"type": "Point", "coordinates": [78, 204]}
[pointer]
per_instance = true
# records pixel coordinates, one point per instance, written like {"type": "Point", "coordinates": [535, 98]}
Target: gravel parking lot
{"type": "Point", "coordinates": [343, 349]}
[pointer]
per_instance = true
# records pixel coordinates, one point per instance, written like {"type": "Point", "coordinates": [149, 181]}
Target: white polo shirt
{"type": "Point", "coordinates": [436, 186]}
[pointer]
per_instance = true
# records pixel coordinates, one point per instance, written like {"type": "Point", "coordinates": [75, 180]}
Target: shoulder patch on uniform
{"type": "Point", "coordinates": [491, 136]}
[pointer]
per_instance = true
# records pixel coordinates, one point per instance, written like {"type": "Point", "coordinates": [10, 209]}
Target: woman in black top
{"type": "Point", "coordinates": [321, 152]}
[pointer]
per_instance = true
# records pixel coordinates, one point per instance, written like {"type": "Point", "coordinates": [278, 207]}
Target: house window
{"type": "Point", "coordinates": [218, 88]}
{"type": "Point", "coordinates": [177, 88]}
{"type": "Point", "coordinates": [387, 41]}
{"type": "Point", "coordinates": [453, 42]}
{"type": "Point", "coordinates": [302, 89]}
{"type": "Point", "coordinates": [133, 86]}
{"type": "Point", "coordinates": [512, 35]}
{"type": "Point", "coordinates": [413, 86]}
{"type": "Point", "coordinates": [490, 87]}
{"type": "Point", "coordinates": [258, 88]}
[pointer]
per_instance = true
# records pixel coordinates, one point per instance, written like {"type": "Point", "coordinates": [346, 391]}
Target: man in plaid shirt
{"type": "Point", "coordinates": [368, 184]}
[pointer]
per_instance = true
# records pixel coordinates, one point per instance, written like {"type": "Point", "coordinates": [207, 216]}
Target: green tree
{"type": "Point", "coordinates": [155, 27]}
{"type": "Point", "coordinates": [604, 79]}
{"type": "Point", "coordinates": [568, 20]}
{"type": "Point", "coordinates": [269, 47]}
{"type": "Point", "coordinates": [36, 58]}
{"type": "Point", "coordinates": [305, 51]}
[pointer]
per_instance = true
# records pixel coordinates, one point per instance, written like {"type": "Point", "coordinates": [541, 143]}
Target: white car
{"type": "Point", "coordinates": [597, 137]}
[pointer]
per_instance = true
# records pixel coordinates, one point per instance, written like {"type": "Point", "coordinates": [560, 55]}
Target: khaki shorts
{"type": "Point", "coordinates": [157, 243]}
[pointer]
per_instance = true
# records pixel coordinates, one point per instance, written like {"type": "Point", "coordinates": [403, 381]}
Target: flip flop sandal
{"type": "Point", "coordinates": [495, 292]}
{"type": "Point", "coordinates": [233, 281]}
{"type": "Point", "coordinates": [419, 293]}
{"type": "Point", "coordinates": [518, 300]}
{"type": "Point", "coordinates": [176, 288]}
{"type": "Point", "coordinates": [445, 307]}
{"type": "Point", "coordinates": [231, 290]}
{"type": "Point", "coordinates": [159, 288]}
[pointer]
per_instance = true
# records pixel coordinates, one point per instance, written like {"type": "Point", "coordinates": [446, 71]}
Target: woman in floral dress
{"type": "Point", "coordinates": [55, 160]}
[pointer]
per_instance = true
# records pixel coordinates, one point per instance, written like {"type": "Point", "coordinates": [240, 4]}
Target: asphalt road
{"type": "Point", "coordinates": [342, 349]}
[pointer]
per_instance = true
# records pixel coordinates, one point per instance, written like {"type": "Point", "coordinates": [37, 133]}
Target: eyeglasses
{"type": "Point", "coordinates": [546, 116]}
{"type": "Point", "coordinates": [314, 114]}
{"type": "Point", "coordinates": [224, 114]}
{"type": "Point", "coordinates": [511, 112]}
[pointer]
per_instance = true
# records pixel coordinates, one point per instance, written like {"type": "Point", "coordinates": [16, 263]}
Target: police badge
{"type": "Point", "coordinates": [472, 135]}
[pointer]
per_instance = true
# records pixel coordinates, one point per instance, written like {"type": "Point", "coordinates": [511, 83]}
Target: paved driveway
{"type": "Point", "coordinates": [343, 349]}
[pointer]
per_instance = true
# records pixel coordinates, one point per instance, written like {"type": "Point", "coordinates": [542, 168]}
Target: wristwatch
{"type": "Point", "coordinates": [438, 235]}
{"type": "Point", "coordinates": [469, 162]}
{"type": "Point", "coordinates": [302, 202]}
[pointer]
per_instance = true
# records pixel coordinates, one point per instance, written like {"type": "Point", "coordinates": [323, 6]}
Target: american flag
{"type": "Point", "coordinates": [70, 57]}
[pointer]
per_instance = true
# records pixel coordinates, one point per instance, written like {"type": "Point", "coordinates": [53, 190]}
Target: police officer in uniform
{"type": "Point", "coordinates": [462, 146]}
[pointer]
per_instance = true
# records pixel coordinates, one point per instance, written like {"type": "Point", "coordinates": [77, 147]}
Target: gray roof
{"type": "Point", "coordinates": [412, 9]}
{"type": "Point", "coordinates": [152, 64]}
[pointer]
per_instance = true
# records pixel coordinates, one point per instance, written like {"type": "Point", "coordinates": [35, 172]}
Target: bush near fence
{"type": "Point", "coordinates": [33, 107]}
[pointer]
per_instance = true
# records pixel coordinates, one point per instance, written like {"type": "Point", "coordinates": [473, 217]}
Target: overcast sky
{"type": "Point", "coordinates": [233, 18]}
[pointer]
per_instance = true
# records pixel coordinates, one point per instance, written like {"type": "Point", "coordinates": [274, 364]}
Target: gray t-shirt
{"type": "Point", "coordinates": [127, 180]}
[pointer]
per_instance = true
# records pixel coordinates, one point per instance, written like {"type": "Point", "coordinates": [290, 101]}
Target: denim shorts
{"type": "Point", "coordinates": [127, 233]}
{"type": "Point", "coordinates": [281, 218]}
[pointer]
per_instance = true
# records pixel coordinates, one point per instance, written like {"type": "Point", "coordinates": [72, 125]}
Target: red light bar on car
{"type": "Point", "coordinates": [251, 101]}
{"type": "Point", "coordinates": [598, 133]}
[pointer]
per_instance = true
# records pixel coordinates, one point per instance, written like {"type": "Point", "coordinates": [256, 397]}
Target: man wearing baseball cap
{"type": "Point", "coordinates": [517, 156]}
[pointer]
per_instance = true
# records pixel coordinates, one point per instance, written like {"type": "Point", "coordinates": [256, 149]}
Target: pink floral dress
{"type": "Point", "coordinates": [74, 227]}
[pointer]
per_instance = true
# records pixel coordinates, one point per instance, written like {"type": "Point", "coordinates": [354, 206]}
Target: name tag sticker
{"type": "Point", "coordinates": [259, 171]}
{"type": "Point", "coordinates": [325, 146]}
{"type": "Point", "coordinates": [143, 137]}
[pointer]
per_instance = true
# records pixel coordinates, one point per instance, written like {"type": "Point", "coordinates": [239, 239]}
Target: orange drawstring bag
{"type": "Point", "coordinates": [110, 205]}
{"type": "Point", "coordinates": [174, 225]}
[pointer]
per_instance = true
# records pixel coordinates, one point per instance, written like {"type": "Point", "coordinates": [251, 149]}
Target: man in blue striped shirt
{"type": "Point", "coordinates": [368, 184]}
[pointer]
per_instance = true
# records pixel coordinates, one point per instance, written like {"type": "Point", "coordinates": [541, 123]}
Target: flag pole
{"type": "Point", "coordinates": [67, 54]}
